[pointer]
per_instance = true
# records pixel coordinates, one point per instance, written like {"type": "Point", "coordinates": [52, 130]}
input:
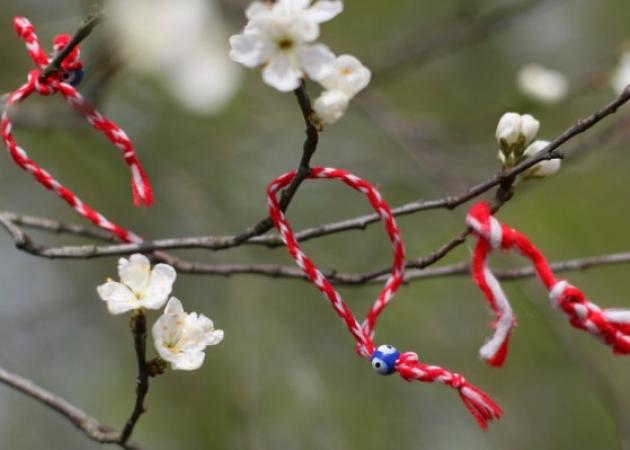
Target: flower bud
{"type": "Point", "coordinates": [331, 106]}
{"type": "Point", "coordinates": [544, 168]}
{"type": "Point", "coordinates": [529, 128]}
{"type": "Point", "coordinates": [508, 129]}
{"type": "Point", "coordinates": [514, 133]}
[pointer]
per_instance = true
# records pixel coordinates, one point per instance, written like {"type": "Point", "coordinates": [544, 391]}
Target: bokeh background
{"type": "Point", "coordinates": [286, 376]}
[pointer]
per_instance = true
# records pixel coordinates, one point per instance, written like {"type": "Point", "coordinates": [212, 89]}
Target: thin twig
{"type": "Point", "coordinates": [91, 427]}
{"type": "Point", "coordinates": [308, 149]}
{"type": "Point", "coordinates": [57, 227]}
{"type": "Point", "coordinates": [139, 332]}
{"type": "Point", "coordinates": [93, 18]}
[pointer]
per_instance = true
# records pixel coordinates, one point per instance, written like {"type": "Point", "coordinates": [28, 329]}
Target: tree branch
{"type": "Point", "coordinates": [91, 427]}
{"type": "Point", "coordinates": [250, 237]}
{"type": "Point", "coordinates": [416, 268]}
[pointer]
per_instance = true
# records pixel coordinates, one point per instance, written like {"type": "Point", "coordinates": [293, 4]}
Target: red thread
{"type": "Point", "coordinates": [612, 326]}
{"type": "Point", "coordinates": [408, 365]}
{"type": "Point", "coordinates": [141, 188]}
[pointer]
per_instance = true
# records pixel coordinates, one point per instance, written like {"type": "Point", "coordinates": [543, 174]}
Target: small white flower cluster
{"type": "Point", "coordinates": [348, 78]}
{"type": "Point", "coordinates": [179, 338]}
{"type": "Point", "coordinates": [516, 136]}
{"type": "Point", "coordinates": [281, 36]}
{"type": "Point", "coordinates": [542, 84]}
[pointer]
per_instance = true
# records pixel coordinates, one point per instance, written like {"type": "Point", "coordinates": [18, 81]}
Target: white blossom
{"type": "Point", "coordinates": [181, 338]}
{"type": "Point", "coordinates": [514, 129]}
{"type": "Point", "coordinates": [544, 168]}
{"type": "Point", "coordinates": [542, 84]}
{"type": "Point", "coordinates": [621, 76]}
{"type": "Point", "coordinates": [139, 286]}
{"type": "Point", "coordinates": [348, 76]}
{"type": "Point", "coordinates": [181, 43]}
{"type": "Point", "coordinates": [281, 38]}
{"type": "Point", "coordinates": [331, 106]}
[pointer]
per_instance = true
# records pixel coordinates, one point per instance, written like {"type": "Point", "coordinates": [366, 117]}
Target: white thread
{"type": "Point", "coordinates": [505, 320]}
{"type": "Point", "coordinates": [617, 315]}
{"type": "Point", "coordinates": [496, 233]}
{"type": "Point", "coordinates": [555, 294]}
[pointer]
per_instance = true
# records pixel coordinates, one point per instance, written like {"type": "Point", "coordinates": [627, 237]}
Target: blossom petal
{"type": "Point", "coordinates": [214, 337]}
{"type": "Point", "coordinates": [174, 307]}
{"type": "Point", "coordinates": [316, 60]}
{"type": "Point", "coordinates": [187, 360]}
{"type": "Point", "coordinates": [257, 8]}
{"type": "Point", "coordinates": [167, 327]}
{"type": "Point", "coordinates": [281, 74]}
{"type": "Point", "coordinates": [509, 128]}
{"type": "Point", "coordinates": [324, 10]}
{"type": "Point", "coordinates": [303, 30]}
{"type": "Point", "coordinates": [293, 4]}
{"type": "Point", "coordinates": [246, 49]}
{"type": "Point", "coordinates": [164, 352]}
{"type": "Point", "coordinates": [119, 297]}
{"type": "Point", "coordinates": [200, 332]}
{"type": "Point", "coordinates": [170, 323]}
{"type": "Point", "coordinates": [135, 271]}
{"type": "Point", "coordinates": [159, 287]}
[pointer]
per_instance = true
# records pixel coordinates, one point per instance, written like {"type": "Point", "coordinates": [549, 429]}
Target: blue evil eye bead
{"type": "Point", "coordinates": [384, 359]}
{"type": "Point", "coordinates": [73, 77]}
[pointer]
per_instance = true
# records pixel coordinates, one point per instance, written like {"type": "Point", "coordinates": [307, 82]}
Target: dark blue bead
{"type": "Point", "coordinates": [384, 359]}
{"type": "Point", "coordinates": [74, 78]}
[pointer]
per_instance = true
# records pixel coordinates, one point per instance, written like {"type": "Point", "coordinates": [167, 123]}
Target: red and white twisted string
{"type": "Point", "coordinates": [407, 365]}
{"type": "Point", "coordinates": [141, 188]}
{"type": "Point", "coordinates": [611, 326]}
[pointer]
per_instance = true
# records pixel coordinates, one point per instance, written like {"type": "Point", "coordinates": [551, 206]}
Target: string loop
{"type": "Point", "coordinates": [384, 359]}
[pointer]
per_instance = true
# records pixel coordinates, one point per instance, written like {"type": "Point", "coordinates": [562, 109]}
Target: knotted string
{"type": "Point", "coordinates": [611, 326]}
{"type": "Point", "coordinates": [62, 82]}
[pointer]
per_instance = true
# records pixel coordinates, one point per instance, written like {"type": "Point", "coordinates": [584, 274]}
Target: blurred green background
{"type": "Point", "coordinates": [286, 376]}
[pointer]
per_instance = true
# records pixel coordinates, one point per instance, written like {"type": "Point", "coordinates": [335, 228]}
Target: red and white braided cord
{"type": "Point", "coordinates": [408, 365]}
{"type": "Point", "coordinates": [612, 326]}
{"type": "Point", "coordinates": [141, 188]}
